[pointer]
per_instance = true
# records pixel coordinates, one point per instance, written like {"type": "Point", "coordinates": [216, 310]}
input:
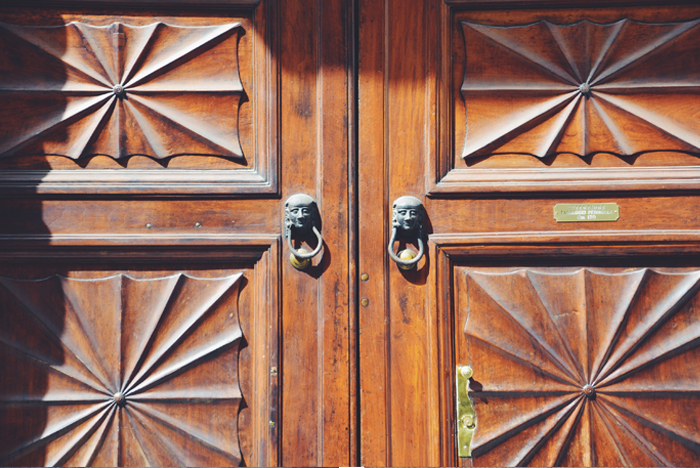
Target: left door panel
{"type": "Point", "coordinates": [149, 314]}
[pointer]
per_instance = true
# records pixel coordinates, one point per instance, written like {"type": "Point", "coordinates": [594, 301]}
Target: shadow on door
{"type": "Point", "coordinates": [30, 350]}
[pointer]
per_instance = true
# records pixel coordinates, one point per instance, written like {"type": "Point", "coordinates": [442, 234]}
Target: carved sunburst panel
{"type": "Point", "coordinates": [582, 367]}
{"type": "Point", "coordinates": [561, 88]}
{"type": "Point", "coordinates": [121, 371]}
{"type": "Point", "coordinates": [99, 91]}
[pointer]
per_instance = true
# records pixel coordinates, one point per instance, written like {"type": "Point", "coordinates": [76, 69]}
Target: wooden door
{"type": "Point", "coordinates": [582, 336]}
{"type": "Point", "coordinates": [149, 313]}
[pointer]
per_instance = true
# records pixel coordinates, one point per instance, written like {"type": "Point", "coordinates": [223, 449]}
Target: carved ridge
{"type": "Point", "coordinates": [170, 344]}
{"type": "Point", "coordinates": [641, 335]}
{"type": "Point", "coordinates": [107, 74]}
{"type": "Point", "coordinates": [543, 57]}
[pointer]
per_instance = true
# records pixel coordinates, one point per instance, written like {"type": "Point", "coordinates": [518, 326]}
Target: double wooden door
{"type": "Point", "coordinates": [149, 311]}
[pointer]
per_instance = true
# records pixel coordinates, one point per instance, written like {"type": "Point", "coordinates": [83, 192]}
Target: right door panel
{"type": "Point", "coordinates": [582, 334]}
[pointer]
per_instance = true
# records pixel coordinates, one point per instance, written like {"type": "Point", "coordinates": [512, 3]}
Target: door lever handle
{"type": "Point", "coordinates": [301, 217]}
{"type": "Point", "coordinates": [407, 223]}
{"type": "Point", "coordinates": [466, 416]}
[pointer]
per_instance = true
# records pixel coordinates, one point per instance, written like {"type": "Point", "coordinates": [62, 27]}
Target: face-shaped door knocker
{"type": "Point", "coordinates": [300, 218]}
{"type": "Point", "coordinates": [407, 223]}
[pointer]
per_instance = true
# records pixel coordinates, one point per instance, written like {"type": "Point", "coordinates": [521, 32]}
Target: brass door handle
{"type": "Point", "coordinates": [301, 217]}
{"type": "Point", "coordinates": [466, 415]}
{"type": "Point", "coordinates": [407, 223]}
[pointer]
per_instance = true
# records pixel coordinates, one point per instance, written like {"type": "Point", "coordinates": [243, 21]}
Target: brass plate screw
{"type": "Point", "coordinates": [467, 372]}
{"type": "Point", "coordinates": [468, 421]}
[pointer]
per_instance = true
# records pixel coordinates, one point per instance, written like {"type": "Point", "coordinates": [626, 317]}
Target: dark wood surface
{"type": "Point", "coordinates": [594, 146]}
{"type": "Point", "coordinates": [537, 336]}
{"type": "Point", "coordinates": [153, 89]}
{"type": "Point", "coordinates": [137, 260]}
{"type": "Point", "coordinates": [212, 132]}
{"type": "Point", "coordinates": [146, 375]}
{"type": "Point", "coordinates": [493, 213]}
{"type": "Point", "coordinates": [77, 332]}
{"type": "Point", "coordinates": [546, 88]}
{"type": "Point", "coordinates": [109, 216]}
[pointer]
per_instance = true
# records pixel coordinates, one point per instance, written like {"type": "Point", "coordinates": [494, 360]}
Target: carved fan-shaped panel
{"type": "Point", "coordinates": [119, 90]}
{"type": "Point", "coordinates": [624, 87]}
{"type": "Point", "coordinates": [120, 371]}
{"type": "Point", "coordinates": [583, 367]}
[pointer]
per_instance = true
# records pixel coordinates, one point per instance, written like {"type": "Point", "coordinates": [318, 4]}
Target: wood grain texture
{"type": "Point", "coordinates": [152, 358]}
{"type": "Point", "coordinates": [161, 4]}
{"type": "Point", "coordinates": [375, 414]}
{"type": "Point", "coordinates": [315, 60]}
{"type": "Point", "coordinates": [411, 71]}
{"type": "Point", "coordinates": [545, 144]}
{"type": "Point", "coordinates": [205, 218]}
{"type": "Point", "coordinates": [180, 341]}
{"type": "Point", "coordinates": [415, 427]}
{"type": "Point", "coordinates": [156, 90]}
{"type": "Point", "coordinates": [671, 252]}
{"type": "Point", "coordinates": [197, 112]}
{"type": "Point", "coordinates": [537, 336]}
{"type": "Point", "coordinates": [185, 347]}
{"type": "Point", "coordinates": [625, 87]}
{"type": "Point", "coordinates": [399, 412]}
{"type": "Point", "coordinates": [503, 4]}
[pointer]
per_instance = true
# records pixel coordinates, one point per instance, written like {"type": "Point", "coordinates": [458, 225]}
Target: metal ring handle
{"type": "Point", "coordinates": [306, 256]}
{"type": "Point", "coordinates": [405, 264]}
{"type": "Point", "coordinates": [301, 215]}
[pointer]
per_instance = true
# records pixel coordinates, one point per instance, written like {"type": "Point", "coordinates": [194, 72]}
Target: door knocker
{"type": "Point", "coordinates": [407, 223]}
{"type": "Point", "coordinates": [301, 217]}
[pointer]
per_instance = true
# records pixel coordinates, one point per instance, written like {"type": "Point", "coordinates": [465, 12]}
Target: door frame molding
{"type": "Point", "coordinates": [451, 249]}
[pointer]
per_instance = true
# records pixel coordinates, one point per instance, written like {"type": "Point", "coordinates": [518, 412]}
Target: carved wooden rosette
{"type": "Point", "coordinates": [140, 372]}
{"type": "Point", "coordinates": [624, 88]}
{"type": "Point", "coordinates": [120, 90]}
{"type": "Point", "coordinates": [583, 367]}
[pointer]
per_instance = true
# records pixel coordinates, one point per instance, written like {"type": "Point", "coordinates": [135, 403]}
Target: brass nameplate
{"type": "Point", "coordinates": [583, 212]}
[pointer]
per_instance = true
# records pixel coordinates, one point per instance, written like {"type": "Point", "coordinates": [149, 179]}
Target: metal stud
{"type": "Point", "coordinates": [119, 90]}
